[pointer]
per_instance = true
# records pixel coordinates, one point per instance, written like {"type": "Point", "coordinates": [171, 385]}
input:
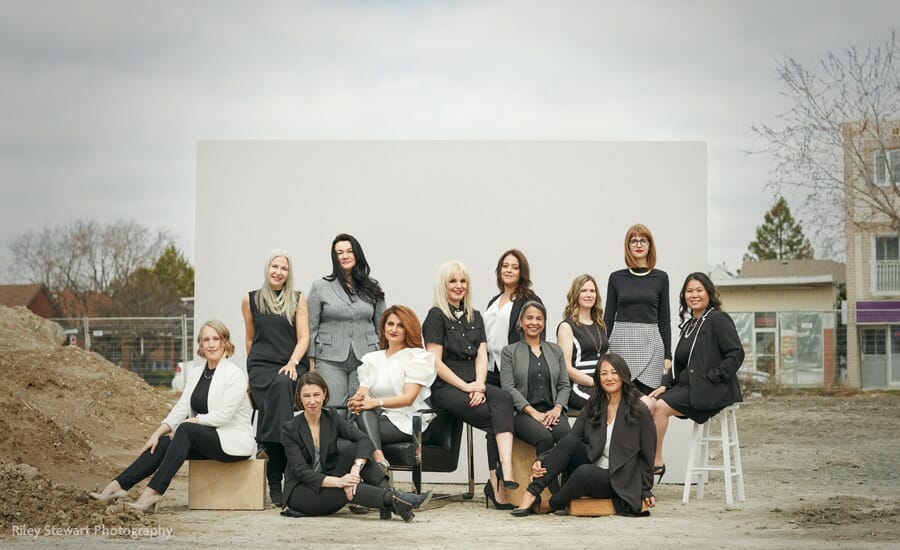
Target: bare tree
{"type": "Point", "coordinates": [849, 100]}
{"type": "Point", "coordinates": [84, 257]}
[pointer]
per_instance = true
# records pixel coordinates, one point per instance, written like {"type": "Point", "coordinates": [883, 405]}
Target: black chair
{"type": "Point", "coordinates": [435, 450]}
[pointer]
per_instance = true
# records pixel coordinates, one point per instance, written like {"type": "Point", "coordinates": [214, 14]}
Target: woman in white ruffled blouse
{"type": "Point", "coordinates": [394, 382]}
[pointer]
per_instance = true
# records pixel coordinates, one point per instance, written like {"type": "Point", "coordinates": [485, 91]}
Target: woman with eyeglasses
{"type": "Point", "coordinates": [637, 312]}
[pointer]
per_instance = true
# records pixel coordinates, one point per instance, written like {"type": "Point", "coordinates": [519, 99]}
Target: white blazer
{"type": "Point", "coordinates": [229, 408]}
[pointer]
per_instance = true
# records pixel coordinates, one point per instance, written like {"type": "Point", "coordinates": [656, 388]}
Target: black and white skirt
{"type": "Point", "coordinates": [642, 348]}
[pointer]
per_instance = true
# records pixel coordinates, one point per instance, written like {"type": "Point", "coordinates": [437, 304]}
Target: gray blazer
{"type": "Point", "coordinates": [338, 324]}
{"type": "Point", "coordinates": [514, 373]}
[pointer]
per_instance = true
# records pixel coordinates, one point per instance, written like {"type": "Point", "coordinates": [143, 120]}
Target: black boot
{"type": "Point", "coordinates": [404, 503]}
{"type": "Point", "coordinates": [275, 495]}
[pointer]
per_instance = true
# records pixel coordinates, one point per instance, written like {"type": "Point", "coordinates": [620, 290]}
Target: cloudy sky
{"type": "Point", "coordinates": [102, 103]}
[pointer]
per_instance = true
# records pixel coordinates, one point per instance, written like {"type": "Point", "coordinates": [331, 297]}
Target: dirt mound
{"type": "Point", "coordinates": [71, 414]}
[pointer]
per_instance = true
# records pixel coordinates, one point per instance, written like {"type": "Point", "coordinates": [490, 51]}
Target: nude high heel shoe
{"type": "Point", "coordinates": [149, 503]}
{"type": "Point", "coordinates": [113, 491]}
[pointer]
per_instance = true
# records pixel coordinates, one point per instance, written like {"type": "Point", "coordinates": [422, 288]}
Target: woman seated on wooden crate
{"type": "Point", "coordinates": [211, 421]}
{"type": "Point", "coordinates": [608, 453]}
{"type": "Point", "coordinates": [320, 479]}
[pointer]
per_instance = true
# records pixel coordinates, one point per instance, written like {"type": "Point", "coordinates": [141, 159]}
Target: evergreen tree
{"type": "Point", "coordinates": [779, 237]}
{"type": "Point", "coordinates": [174, 271]}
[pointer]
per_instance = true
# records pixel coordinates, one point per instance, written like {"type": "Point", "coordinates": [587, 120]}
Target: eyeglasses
{"type": "Point", "coordinates": [638, 242]}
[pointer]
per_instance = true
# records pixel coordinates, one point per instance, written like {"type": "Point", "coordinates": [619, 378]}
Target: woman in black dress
{"type": "Point", "coordinates": [454, 333]}
{"type": "Point", "coordinates": [277, 335]}
{"type": "Point", "coordinates": [321, 477]}
{"type": "Point", "coordinates": [707, 358]}
{"type": "Point", "coordinates": [582, 337]}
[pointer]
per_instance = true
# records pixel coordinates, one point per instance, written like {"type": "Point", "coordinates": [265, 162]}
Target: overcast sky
{"type": "Point", "coordinates": [102, 103]}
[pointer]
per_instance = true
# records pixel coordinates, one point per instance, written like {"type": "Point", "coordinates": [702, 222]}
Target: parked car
{"type": "Point", "coordinates": [182, 369]}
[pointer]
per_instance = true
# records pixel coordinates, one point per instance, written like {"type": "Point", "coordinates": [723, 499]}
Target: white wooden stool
{"type": "Point", "coordinates": [698, 456]}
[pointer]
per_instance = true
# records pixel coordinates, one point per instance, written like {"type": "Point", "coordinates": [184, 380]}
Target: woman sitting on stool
{"type": "Point", "coordinates": [320, 479]}
{"type": "Point", "coordinates": [609, 452]}
{"type": "Point", "coordinates": [210, 421]}
{"type": "Point", "coordinates": [707, 357]}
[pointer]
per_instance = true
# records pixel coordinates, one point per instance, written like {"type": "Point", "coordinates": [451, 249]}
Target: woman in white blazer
{"type": "Point", "coordinates": [211, 421]}
{"type": "Point", "coordinates": [344, 312]}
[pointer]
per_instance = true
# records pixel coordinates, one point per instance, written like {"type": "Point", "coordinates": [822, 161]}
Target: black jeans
{"type": "Point", "coordinates": [372, 492]}
{"type": "Point", "coordinates": [535, 434]}
{"type": "Point", "coordinates": [494, 416]}
{"type": "Point", "coordinates": [191, 442]}
{"type": "Point", "coordinates": [585, 479]}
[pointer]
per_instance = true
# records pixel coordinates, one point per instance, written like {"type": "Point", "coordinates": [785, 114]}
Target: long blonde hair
{"type": "Point", "coordinates": [571, 311]}
{"type": "Point", "coordinates": [268, 301]}
{"type": "Point", "coordinates": [444, 274]}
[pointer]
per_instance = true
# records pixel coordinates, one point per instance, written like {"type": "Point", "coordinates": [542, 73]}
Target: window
{"type": "Point", "coordinates": [887, 163]}
{"type": "Point", "coordinates": [887, 264]}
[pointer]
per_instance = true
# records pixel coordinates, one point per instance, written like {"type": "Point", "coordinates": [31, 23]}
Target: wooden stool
{"type": "Point", "coordinates": [214, 485]}
{"type": "Point", "coordinates": [698, 456]}
{"type": "Point", "coordinates": [595, 507]}
{"type": "Point", "coordinates": [523, 456]}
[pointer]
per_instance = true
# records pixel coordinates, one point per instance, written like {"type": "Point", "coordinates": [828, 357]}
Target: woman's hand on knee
{"type": "Point", "coordinates": [657, 392]}
{"type": "Point", "coordinates": [537, 469]}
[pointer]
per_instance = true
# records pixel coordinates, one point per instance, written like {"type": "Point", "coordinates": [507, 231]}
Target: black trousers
{"type": "Point", "coordinates": [372, 492]}
{"type": "Point", "coordinates": [585, 479]}
{"type": "Point", "coordinates": [191, 442]}
{"type": "Point", "coordinates": [273, 395]}
{"type": "Point", "coordinates": [494, 416]}
{"type": "Point", "coordinates": [535, 434]}
{"type": "Point", "coordinates": [379, 429]}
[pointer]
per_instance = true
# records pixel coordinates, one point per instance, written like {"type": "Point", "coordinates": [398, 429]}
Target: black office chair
{"type": "Point", "coordinates": [435, 450]}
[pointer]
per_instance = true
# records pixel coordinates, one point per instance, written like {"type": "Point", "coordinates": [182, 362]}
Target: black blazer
{"type": "Point", "coordinates": [513, 335]}
{"type": "Point", "coordinates": [631, 453]}
{"type": "Point", "coordinates": [301, 453]}
{"type": "Point", "coordinates": [712, 370]}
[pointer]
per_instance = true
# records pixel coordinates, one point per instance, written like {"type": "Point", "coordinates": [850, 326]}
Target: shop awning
{"type": "Point", "coordinates": [877, 313]}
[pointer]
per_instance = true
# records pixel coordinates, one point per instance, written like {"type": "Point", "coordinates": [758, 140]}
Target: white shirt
{"type": "Point", "coordinates": [496, 327]}
{"type": "Point", "coordinates": [385, 377]}
{"type": "Point", "coordinates": [603, 461]}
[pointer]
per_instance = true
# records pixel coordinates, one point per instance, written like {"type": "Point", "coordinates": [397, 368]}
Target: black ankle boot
{"type": "Point", "coordinates": [275, 495]}
{"type": "Point", "coordinates": [404, 503]}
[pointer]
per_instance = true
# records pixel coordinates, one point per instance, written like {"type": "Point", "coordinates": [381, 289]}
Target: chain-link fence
{"type": "Point", "coordinates": [151, 347]}
{"type": "Point", "coordinates": [792, 349]}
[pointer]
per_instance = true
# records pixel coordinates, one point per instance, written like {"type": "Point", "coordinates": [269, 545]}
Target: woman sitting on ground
{"type": "Point", "coordinates": [394, 382]}
{"type": "Point", "coordinates": [608, 453]}
{"type": "Point", "coordinates": [210, 421]}
{"type": "Point", "coordinates": [320, 478]}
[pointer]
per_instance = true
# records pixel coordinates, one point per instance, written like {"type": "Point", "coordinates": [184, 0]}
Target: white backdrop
{"type": "Point", "coordinates": [416, 204]}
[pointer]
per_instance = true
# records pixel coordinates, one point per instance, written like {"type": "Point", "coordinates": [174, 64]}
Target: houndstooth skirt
{"type": "Point", "coordinates": [642, 348]}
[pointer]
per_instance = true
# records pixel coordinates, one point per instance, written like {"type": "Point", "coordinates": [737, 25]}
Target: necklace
{"type": "Point", "coordinates": [457, 311]}
{"type": "Point", "coordinates": [693, 324]}
{"type": "Point", "coordinates": [638, 274]}
{"type": "Point", "coordinates": [594, 339]}
{"type": "Point", "coordinates": [208, 373]}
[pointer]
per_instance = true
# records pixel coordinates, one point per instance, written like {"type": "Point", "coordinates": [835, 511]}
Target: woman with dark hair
{"type": "Point", "coordinates": [276, 336]}
{"type": "Point", "coordinates": [501, 317]}
{"type": "Point", "coordinates": [534, 373]}
{"type": "Point", "coordinates": [210, 421]}
{"type": "Point", "coordinates": [582, 337]}
{"type": "Point", "coordinates": [609, 452]}
{"type": "Point", "coordinates": [707, 357]}
{"type": "Point", "coordinates": [344, 310]}
{"type": "Point", "coordinates": [394, 382]}
{"type": "Point", "coordinates": [637, 312]}
{"type": "Point", "coordinates": [321, 478]}
{"type": "Point", "coordinates": [454, 333]}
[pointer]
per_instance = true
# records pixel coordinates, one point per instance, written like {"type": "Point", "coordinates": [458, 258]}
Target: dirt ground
{"type": "Point", "coordinates": [821, 471]}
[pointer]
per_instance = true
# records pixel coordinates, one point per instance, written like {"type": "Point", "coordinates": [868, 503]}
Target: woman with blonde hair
{"type": "Point", "coordinates": [211, 421]}
{"type": "Point", "coordinates": [582, 337]}
{"type": "Point", "coordinates": [637, 312]}
{"type": "Point", "coordinates": [454, 333]}
{"type": "Point", "coordinates": [277, 335]}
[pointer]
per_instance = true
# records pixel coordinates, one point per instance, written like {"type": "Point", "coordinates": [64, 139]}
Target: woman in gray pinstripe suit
{"type": "Point", "coordinates": [344, 313]}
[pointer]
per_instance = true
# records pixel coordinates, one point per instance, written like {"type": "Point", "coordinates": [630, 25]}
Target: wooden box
{"type": "Point", "coordinates": [593, 507]}
{"type": "Point", "coordinates": [214, 485]}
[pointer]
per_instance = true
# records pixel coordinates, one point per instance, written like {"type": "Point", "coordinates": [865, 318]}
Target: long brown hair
{"type": "Point", "coordinates": [571, 311]}
{"type": "Point", "coordinates": [523, 289]}
{"type": "Point", "coordinates": [410, 323]}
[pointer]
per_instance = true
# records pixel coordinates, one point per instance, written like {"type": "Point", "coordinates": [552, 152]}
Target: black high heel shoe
{"type": "Point", "coordinates": [489, 497]}
{"type": "Point", "coordinates": [522, 512]}
{"type": "Point", "coordinates": [659, 471]}
{"type": "Point", "coordinates": [513, 485]}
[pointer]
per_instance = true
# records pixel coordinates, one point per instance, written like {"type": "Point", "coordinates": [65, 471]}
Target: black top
{"type": "Point", "coordinates": [200, 397]}
{"type": "Point", "coordinates": [514, 335]}
{"type": "Point", "coordinates": [274, 338]}
{"type": "Point", "coordinates": [589, 343]}
{"type": "Point", "coordinates": [639, 299]}
{"type": "Point", "coordinates": [540, 394]}
{"type": "Point", "coordinates": [460, 340]}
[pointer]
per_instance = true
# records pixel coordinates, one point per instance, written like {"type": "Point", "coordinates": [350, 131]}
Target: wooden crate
{"type": "Point", "coordinates": [214, 485]}
{"type": "Point", "coordinates": [594, 507]}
